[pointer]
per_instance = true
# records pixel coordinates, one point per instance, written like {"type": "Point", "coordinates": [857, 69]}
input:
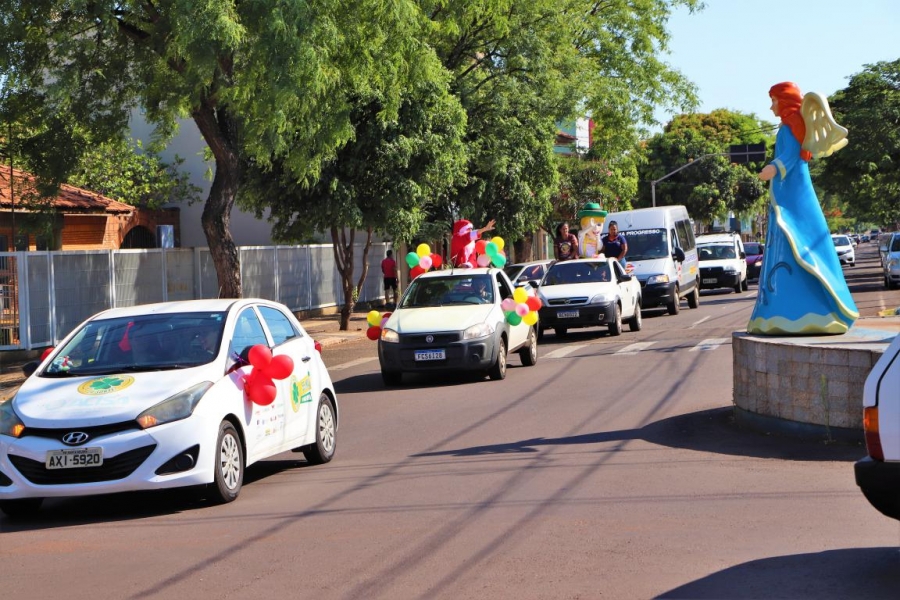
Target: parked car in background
{"type": "Point", "coordinates": [533, 271]}
{"type": "Point", "coordinates": [723, 262]}
{"type": "Point", "coordinates": [844, 248]}
{"type": "Point", "coordinates": [452, 320]}
{"type": "Point", "coordinates": [891, 261]}
{"type": "Point", "coordinates": [878, 474]}
{"type": "Point", "coordinates": [754, 252]}
{"type": "Point", "coordinates": [155, 396]}
{"type": "Point", "coordinates": [589, 292]}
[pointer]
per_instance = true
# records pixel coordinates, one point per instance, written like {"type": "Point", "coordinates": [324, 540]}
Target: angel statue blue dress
{"type": "Point", "coordinates": [802, 290]}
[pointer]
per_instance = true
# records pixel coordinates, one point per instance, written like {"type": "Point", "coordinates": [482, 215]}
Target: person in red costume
{"type": "Point", "coordinates": [462, 246]}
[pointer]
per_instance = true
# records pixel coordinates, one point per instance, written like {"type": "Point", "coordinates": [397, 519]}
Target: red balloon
{"type": "Point", "coordinates": [373, 333]}
{"type": "Point", "coordinates": [46, 353]}
{"type": "Point", "coordinates": [281, 367]}
{"type": "Point", "coordinates": [436, 261]}
{"type": "Point", "coordinates": [260, 356]}
{"type": "Point", "coordinates": [260, 389]}
{"type": "Point", "coordinates": [534, 303]}
{"type": "Point", "coordinates": [480, 247]}
{"type": "Point", "coordinates": [386, 315]}
{"type": "Point", "coordinates": [416, 271]}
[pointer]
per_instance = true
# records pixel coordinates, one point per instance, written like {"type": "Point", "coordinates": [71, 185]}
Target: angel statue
{"type": "Point", "coordinates": [802, 290]}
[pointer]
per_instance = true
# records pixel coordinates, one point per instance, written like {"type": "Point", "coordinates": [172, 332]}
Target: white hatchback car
{"type": "Point", "coordinates": [154, 396]}
{"type": "Point", "coordinates": [452, 320]}
{"type": "Point", "coordinates": [844, 248]}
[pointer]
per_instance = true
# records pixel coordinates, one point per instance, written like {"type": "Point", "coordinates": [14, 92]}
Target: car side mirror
{"type": "Point", "coordinates": [678, 254]}
{"type": "Point", "coordinates": [29, 368]}
{"type": "Point", "coordinates": [743, 254]}
{"type": "Point", "coordinates": [625, 278]}
{"type": "Point", "coordinates": [535, 283]}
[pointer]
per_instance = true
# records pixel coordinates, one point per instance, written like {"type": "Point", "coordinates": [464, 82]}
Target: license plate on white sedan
{"type": "Point", "coordinates": [75, 458]}
{"type": "Point", "coordinates": [430, 355]}
{"type": "Point", "coordinates": [567, 314]}
{"type": "Point", "coordinates": [709, 280]}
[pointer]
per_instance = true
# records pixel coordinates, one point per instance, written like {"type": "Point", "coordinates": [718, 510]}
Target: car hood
{"type": "Point", "coordinates": [645, 268]}
{"type": "Point", "coordinates": [99, 399]}
{"type": "Point", "coordinates": [568, 290]}
{"type": "Point", "coordinates": [438, 318]}
{"type": "Point", "coordinates": [725, 262]}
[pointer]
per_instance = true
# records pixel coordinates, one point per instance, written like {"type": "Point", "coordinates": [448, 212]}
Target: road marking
{"type": "Point", "coordinates": [353, 363]}
{"type": "Point", "coordinates": [698, 322]}
{"type": "Point", "coordinates": [567, 350]}
{"type": "Point", "coordinates": [709, 344]}
{"type": "Point", "coordinates": [632, 349]}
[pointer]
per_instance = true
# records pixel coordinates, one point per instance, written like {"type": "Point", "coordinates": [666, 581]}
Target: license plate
{"type": "Point", "coordinates": [567, 314]}
{"type": "Point", "coordinates": [709, 280]}
{"type": "Point", "coordinates": [75, 458]}
{"type": "Point", "coordinates": [430, 355]}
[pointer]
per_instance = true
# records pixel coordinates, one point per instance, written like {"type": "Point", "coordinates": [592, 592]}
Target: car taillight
{"type": "Point", "coordinates": [873, 439]}
{"type": "Point", "coordinates": [318, 347]}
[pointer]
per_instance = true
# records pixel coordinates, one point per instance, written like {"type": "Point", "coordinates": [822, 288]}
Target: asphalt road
{"type": "Point", "coordinates": [611, 469]}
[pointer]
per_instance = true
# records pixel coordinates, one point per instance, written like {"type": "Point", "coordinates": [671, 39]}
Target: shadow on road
{"type": "Point", "coordinates": [872, 573]}
{"type": "Point", "coordinates": [705, 431]}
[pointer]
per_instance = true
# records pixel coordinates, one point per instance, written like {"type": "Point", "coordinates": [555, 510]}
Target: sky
{"type": "Point", "coordinates": [735, 50]}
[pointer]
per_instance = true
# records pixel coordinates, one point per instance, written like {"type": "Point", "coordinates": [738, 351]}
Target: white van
{"type": "Point", "coordinates": [662, 253]}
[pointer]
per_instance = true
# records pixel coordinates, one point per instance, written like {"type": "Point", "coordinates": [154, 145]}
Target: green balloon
{"type": "Point", "coordinates": [499, 261]}
{"type": "Point", "coordinates": [491, 249]}
{"type": "Point", "coordinates": [412, 259]}
{"type": "Point", "coordinates": [513, 318]}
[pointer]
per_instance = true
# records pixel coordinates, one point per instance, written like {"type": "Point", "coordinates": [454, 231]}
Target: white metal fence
{"type": "Point", "coordinates": [44, 295]}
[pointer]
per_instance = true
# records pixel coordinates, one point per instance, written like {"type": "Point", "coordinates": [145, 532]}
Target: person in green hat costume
{"type": "Point", "coordinates": [592, 218]}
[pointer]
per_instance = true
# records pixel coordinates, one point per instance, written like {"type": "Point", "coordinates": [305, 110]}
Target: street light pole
{"type": "Point", "coordinates": [667, 175]}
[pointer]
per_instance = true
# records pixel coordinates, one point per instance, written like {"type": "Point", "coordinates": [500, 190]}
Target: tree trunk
{"type": "Point", "coordinates": [523, 248]}
{"type": "Point", "coordinates": [218, 130]}
{"type": "Point", "coordinates": [343, 259]}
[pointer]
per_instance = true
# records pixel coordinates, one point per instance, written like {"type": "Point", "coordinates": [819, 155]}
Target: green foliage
{"type": "Point", "coordinates": [866, 173]}
{"type": "Point", "coordinates": [711, 186]}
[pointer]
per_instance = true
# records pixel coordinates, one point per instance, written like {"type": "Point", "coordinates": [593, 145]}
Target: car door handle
{"type": "Point", "coordinates": [306, 358]}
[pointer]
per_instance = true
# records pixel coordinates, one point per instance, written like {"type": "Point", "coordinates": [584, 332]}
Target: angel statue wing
{"type": "Point", "coordinates": [824, 136]}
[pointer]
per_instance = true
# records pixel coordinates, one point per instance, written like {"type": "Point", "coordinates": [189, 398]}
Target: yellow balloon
{"type": "Point", "coordinates": [530, 318]}
{"type": "Point", "coordinates": [520, 296]}
{"type": "Point", "coordinates": [373, 318]}
{"type": "Point", "coordinates": [499, 241]}
{"type": "Point", "coordinates": [423, 250]}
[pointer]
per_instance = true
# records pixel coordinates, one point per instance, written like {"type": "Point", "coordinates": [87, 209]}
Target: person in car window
{"type": "Point", "coordinates": [614, 244]}
{"type": "Point", "coordinates": [565, 246]}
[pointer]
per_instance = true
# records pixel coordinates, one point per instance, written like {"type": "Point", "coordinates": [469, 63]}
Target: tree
{"type": "Point", "coordinates": [866, 174]}
{"type": "Point", "coordinates": [382, 181]}
{"type": "Point", "coordinates": [713, 186]}
{"type": "Point", "coordinates": [261, 80]}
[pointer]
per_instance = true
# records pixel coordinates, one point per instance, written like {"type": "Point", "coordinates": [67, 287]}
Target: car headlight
{"type": "Point", "coordinates": [180, 406]}
{"type": "Point", "coordinates": [658, 279]}
{"type": "Point", "coordinates": [478, 331]}
{"type": "Point", "coordinates": [894, 262]}
{"type": "Point", "coordinates": [390, 336]}
{"type": "Point", "coordinates": [602, 299]}
{"type": "Point", "coordinates": [10, 423]}
{"type": "Point", "coordinates": [758, 262]}
{"type": "Point", "coordinates": [729, 269]}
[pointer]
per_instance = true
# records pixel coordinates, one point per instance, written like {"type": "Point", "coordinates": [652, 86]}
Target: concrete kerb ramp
{"type": "Point", "coordinates": [808, 386]}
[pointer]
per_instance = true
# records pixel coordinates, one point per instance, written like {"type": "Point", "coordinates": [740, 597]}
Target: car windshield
{"type": "Point", "coordinates": [716, 252]}
{"type": "Point", "coordinates": [646, 244]}
{"type": "Point", "coordinates": [443, 291]}
{"type": "Point", "coordinates": [841, 240]}
{"type": "Point", "coordinates": [577, 272]}
{"type": "Point", "coordinates": [752, 248]}
{"type": "Point", "coordinates": [140, 343]}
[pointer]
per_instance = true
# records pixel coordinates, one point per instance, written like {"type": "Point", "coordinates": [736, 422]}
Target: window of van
{"type": "Point", "coordinates": [685, 235]}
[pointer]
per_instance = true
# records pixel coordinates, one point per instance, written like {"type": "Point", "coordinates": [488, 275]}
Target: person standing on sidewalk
{"type": "Point", "coordinates": [389, 270]}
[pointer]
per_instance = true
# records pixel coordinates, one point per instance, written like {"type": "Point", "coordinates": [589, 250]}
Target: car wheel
{"type": "Point", "coordinates": [229, 468]}
{"type": "Point", "coordinates": [738, 287]}
{"type": "Point", "coordinates": [22, 507]}
{"type": "Point", "coordinates": [322, 451]}
{"type": "Point", "coordinates": [694, 298]}
{"type": "Point", "coordinates": [529, 353]}
{"type": "Point", "coordinates": [615, 327]}
{"type": "Point", "coordinates": [636, 322]}
{"type": "Point", "coordinates": [498, 371]}
{"type": "Point", "coordinates": [391, 378]}
{"type": "Point", "coordinates": [540, 332]}
{"type": "Point", "coordinates": [744, 285]}
{"type": "Point", "coordinates": [560, 331]}
{"type": "Point", "coordinates": [675, 305]}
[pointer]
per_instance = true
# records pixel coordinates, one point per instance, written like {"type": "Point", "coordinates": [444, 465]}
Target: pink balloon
{"type": "Point", "coordinates": [281, 367]}
{"type": "Point", "coordinates": [522, 309]}
{"type": "Point", "coordinates": [508, 305]}
{"type": "Point", "coordinates": [383, 321]}
{"type": "Point", "coordinates": [425, 262]}
{"type": "Point", "coordinates": [260, 356]}
{"type": "Point", "coordinates": [483, 260]}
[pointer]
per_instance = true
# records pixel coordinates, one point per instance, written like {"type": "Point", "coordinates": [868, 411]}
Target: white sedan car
{"type": "Point", "coordinates": [154, 396]}
{"type": "Point", "coordinates": [452, 320]}
{"type": "Point", "coordinates": [844, 248]}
